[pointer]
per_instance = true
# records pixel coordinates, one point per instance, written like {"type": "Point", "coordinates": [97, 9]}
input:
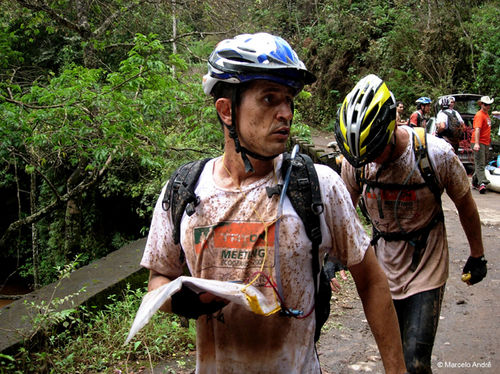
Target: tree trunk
{"type": "Point", "coordinates": [34, 235]}
{"type": "Point", "coordinates": [174, 32]}
{"type": "Point", "coordinates": [72, 219]}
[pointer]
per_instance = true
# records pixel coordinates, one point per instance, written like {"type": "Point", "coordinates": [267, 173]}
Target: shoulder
{"type": "Point", "coordinates": [438, 145]}
{"type": "Point", "coordinates": [479, 117]}
{"type": "Point", "coordinates": [331, 183]}
{"type": "Point", "coordinates": [458, 115]}
{"type": "Point", "coordinates": [326, 174]}
{"type": "Point", "coordinates": [441, 116]}
{"type": "Point", "coordinates": [441, 154]}
{"type": "Point", "coordinates": [437, 148]}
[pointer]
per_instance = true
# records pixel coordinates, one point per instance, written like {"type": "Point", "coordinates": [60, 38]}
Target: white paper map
{"type": "Point", "coordinates": [247, 296]}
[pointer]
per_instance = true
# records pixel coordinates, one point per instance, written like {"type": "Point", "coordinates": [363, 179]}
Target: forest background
{"type": "Point", "coordinates": [101, 100]}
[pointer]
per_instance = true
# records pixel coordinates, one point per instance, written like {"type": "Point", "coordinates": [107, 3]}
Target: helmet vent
{"type": "Point", "coordinates": [251, 50]}
{"type": "Point", "coordinates": [353, 141]}
{"type": "Point", "coordinates": [233, 56]}
{"type": "Point", "coordinates": [369, 117]}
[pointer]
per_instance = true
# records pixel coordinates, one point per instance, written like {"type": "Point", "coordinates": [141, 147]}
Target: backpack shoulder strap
{"type": "Point", "coordinates": [179, 195]}
{"type": "Point", "coordinates": [305, 196]}
{"type": "Point", "coordinates": [304, 193]}
{"type": "Point", "coordinates": [452, 116]}
{"type": "Point", "coordinates": [425, 165]}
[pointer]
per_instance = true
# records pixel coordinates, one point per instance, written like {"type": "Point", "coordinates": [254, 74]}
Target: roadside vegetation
{"type": "Point", "coordinates": [101, 101]}
{"type": "Point", "coordinates": [89, 340]}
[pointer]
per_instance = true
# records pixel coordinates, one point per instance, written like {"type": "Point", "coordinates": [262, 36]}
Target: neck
{"type": "Point", "coordinates": [402, 139]}
{"type": "Point", "coordinates": [393, 153]}
{"type": "Point", "coordinates": [230, 170]}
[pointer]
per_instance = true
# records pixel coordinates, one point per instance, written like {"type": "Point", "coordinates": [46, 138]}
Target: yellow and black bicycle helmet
{"type": "Point", "coordinates": [366, 121]}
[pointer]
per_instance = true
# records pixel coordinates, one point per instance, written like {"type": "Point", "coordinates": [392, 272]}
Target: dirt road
{"type": "Point", "coordinates": [467, 340]}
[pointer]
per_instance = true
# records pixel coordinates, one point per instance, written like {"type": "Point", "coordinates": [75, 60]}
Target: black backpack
{"type": "Point", "coordinates": [420, 118]}
{"type": "Point", "coordinates": [454, 131]}
{"type": "Point", "coordinates": [304, 194]}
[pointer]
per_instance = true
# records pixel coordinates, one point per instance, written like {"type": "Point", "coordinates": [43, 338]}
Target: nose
{"type": "Point", "coordinates": [285, 111]}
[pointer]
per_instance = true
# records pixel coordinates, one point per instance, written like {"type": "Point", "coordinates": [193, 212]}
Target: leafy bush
{"type": "Point", "coordinates": [92, 340]}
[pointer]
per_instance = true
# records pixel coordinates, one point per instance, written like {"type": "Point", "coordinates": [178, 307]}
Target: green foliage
{"type": "Point", "coordinates": [47, 313]}
{"type": "Point", "coordinates": [419, 48]}
{"type": "Point", "coordinates": [126, 130]}
{"type": "Point", "coordinates": [484, 35]}
{"type": "Point", "coordinates": [91, 340]}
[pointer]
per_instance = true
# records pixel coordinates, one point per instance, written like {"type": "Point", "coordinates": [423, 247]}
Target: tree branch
{"type": "Point", "coordinates": [54, 190]}
{"type": "Point", "coordinates": [81, 187]}
{"type": "Point", "coordinates": [108, 21]}
{"type": "Point", "coordinates": [202, 34]}
{"type": "Point", "coordinates": [30, 106]}
{"type": "Point", "coordinates": [44, 7]}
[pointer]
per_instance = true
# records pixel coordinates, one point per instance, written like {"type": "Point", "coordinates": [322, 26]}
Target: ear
{"type": "Point", "coordinates": [223, 107]}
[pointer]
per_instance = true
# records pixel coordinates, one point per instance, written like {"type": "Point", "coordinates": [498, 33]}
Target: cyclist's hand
{"type": "Point", "coordinates": [189, 304]}
{"type": "Point", "coordinates": [476, 267]}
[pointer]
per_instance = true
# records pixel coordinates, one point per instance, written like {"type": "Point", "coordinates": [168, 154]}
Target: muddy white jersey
{"type": "Point", "coordinates": [409, 210]}
{"type": "Point", "coordinates": [231, 237]}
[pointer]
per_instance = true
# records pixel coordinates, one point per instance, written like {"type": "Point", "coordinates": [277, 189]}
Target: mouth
{"type": "Point", "coordinates": [283, 131]}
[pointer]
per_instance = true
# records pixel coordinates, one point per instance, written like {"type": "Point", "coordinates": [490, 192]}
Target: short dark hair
{"type": "Point", "coordinates": [229, 91]}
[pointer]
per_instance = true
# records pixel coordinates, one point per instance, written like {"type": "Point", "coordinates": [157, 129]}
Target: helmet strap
{"type": "Point", "coordinates": [392, 143]}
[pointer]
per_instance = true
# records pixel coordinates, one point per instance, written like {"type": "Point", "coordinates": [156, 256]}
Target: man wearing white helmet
{"type": "Point", "coordinates": [450, 125]}
{"type": "Point", "coordinates": [481, 138]}
{"type": "Point", "coordinates": [253, 80]}
{"type": "Point", "coordinates": [404, 207]}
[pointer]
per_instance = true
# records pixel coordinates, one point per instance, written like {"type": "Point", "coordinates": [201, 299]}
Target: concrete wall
{"type": "Point", "coordinates": [101, 278]}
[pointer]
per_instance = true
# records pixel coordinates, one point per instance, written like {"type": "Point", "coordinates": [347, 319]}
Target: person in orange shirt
{"type": "Point", "coordinates": [481, 139]}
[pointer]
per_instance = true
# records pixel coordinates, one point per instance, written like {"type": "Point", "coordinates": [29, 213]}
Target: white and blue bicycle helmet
{"type": "Point", "coordinates": [444, 102]}
{"type": "Point", "coordinates": [249, 57]}
{"type": "Point", "coordinates": [423, 100]}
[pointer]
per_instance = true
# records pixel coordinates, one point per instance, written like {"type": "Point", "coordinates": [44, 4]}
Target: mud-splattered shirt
{"type": "Point", "coordinates": [226, 240]}
{"type": "Point", "coordinates": [413, 209]}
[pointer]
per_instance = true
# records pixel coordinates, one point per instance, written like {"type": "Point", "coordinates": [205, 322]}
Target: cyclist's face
{"type": "Point", "coordinates": [264, 117]}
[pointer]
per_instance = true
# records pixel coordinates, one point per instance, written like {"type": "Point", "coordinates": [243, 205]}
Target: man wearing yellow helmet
{"type": "Point", "coordinates": [409, 236]}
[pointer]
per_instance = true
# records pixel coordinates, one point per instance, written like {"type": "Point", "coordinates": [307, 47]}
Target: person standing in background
{"type": "Point", "coordinates": [419, 117]}
{"type": "Point", "coordinates": [400, 108]}
{"type": "Point", "coordinates": [481, 138]}
{"type": "Point", "coordinates": [450, 125]}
